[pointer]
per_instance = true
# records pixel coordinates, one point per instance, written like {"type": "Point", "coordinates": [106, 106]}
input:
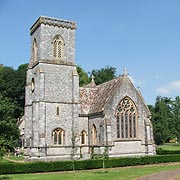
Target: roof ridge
{"type": "Point", "coordinates": [109, 81]}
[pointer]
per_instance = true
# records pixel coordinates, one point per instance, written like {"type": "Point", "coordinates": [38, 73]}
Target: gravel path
{"type": "Point", "coordinates": [165, 175]}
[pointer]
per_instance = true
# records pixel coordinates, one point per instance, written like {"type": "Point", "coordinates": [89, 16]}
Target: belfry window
{"type": "Point", "coordinates": [126, 119]}
{"type": "Point", "coordinates": [58, 136]}
{"type": "Point", "coordinates": [58, 47]}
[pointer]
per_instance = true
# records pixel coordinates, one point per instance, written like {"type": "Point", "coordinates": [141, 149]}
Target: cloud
{"type": "Point", "coordinates": [163, 90]}
{"type": "Point", "coordinates": [169, 88]}
{"type": "Point", "coordinates": [175, 85]}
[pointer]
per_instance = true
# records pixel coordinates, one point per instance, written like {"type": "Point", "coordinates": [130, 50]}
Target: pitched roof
{"type": "Point", "coordinates": [94, 98]}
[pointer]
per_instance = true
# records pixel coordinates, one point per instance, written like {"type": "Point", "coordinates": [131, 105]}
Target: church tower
{"type": "Point", "coordinates": [52, 91]}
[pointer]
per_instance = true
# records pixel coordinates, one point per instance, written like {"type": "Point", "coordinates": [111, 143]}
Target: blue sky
{"type": "Point", "coordinates": [141, 35]}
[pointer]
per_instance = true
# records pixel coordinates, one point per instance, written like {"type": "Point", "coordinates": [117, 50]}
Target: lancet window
{"type": "Point", "coordinates": [58, 136]}
{"type": "Point", "coordinates": [34, 50]}
{"type": "Point", "coordinates": [83, 137]}
{"type": "Point", "coordinates": [94, 135]}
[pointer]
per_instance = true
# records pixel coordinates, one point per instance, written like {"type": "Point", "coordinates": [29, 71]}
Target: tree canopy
{"type": "Point", "coordinates": [83, 76]}
{"type": "Point", "coordinates": [104, 74]}
{"type": "Point", "coordinates": [12, 95]}
{"type": "Point", "coordinates": [166, 119]}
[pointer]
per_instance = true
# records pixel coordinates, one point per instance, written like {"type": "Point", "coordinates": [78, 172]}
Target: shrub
{"type": "Point", "coordinates": [5, 178]}
{"type": "Point", "coordinates": [13, 168]}
{"type": "Point", "coordinates": [164, 152]}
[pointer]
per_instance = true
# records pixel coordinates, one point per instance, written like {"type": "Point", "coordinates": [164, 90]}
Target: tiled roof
{"type": "Point", "coordinates": [94, 99]}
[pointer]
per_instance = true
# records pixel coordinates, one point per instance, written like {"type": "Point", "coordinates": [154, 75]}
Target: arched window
{"type": "Point", "coordinates": [126, 119]}
{"type": "Point", "coordinates": [58, 136]}
{"type": "Point", "coordinates": [32, 85]}
{"type": "Point", "coordinates": [58, 47]}
{"type": "Point", "coordinates": [94, 135]}
{"type": "Point", "coordinates": [34, 50]}
{"type": "Point", "coordinates": [83, 137]}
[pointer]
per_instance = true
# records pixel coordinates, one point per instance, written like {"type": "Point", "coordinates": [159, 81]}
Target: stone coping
{"type": "Point", "coordinates": [52, 22]}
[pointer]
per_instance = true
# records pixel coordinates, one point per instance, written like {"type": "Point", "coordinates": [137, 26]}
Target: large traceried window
{"type": "Point", "coordinates": [58, 136]}
{"type": "Point", "coordinates": [58, 47]}
{"type": "Point", "coordinates": [126, 119]}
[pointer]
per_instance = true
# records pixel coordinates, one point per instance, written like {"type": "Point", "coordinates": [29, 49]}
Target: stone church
{"type": "Point", "coordinates": [63, 120]}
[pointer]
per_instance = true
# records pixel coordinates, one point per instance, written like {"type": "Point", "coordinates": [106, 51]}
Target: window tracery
{"type": "Point", "coordinates": [126, 119]}
{"type": "Point", "coordinates": [58, 47]}
{"type": "Point", "coordinates": [58, 136]}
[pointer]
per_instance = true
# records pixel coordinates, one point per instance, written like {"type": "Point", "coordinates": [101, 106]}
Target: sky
{"type": "Point", "coordinates": [142, 36]}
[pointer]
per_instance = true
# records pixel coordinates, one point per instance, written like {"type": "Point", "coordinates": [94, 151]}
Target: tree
{"type": "Point", "coordinates": [20, 89]}
{"type": "Point", "coordinates": [9, 132]}
{"type": "Point", "coordinates": [12, 85]}
{"type": "Point", "coordinates": [162, 119]}
{"type": "Point", "coordinates": [8, 82]}
{"type": "Point", "coordinates": [83, 76]}
{"type": "Point", "coordinates": [104, 74]}
{"type": "Point", "coordinates": [176, 116]}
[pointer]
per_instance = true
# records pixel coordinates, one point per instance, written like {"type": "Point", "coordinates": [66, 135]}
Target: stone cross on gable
{"type": "Point", "coordinates": [125, 72]}
{"type": "Point", "coordinates": [92, 78]}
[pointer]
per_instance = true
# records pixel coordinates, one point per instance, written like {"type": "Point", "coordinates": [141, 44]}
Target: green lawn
{"type": "Point", "coordinates": [170, 147]}
{"type": "Point", "coordinates": [110, 174]}
{"type": "Point", "coordinates": [11, 158]}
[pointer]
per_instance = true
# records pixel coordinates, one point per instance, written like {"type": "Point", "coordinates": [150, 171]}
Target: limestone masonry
{"type": "Point", "coordinates": [63, 120]}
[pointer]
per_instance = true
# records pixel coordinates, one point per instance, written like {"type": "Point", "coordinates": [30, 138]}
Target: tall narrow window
{"type": "Point", "coordinates": [58, 47]}
{"type": "Point", "coordinates": [94, 135]}
{"type": "Point", "coordinates": [118, 128]}
{"type": "Point", "coordinates": [34, 50]}
{"type": "Point", "coordinates": [58, 136]}
{"type": "Point", "coordinates": [57, 111]}
{"type": "Point", "coordinates": [32, 85]}
{"type": "Point", "coordinates": [126, 115]}
{"type": "Point", "coordinates": [83, 137]}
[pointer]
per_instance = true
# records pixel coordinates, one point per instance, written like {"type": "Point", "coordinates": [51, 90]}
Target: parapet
{"type": "Point", "coordinates": [52, 22]}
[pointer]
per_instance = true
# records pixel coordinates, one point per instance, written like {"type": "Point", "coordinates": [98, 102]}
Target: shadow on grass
{"type": "Point", "coordinates": [100, 172]}
{"type": "Point", "coordinates": [5, 178]}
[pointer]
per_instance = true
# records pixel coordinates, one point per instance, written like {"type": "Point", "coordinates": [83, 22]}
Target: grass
{"type": "Point", "coordinates": [11, 158]}
{"type": "Point", "coordinates": [170, 146]}
{"type": "Point", "coordinates": [16, 158]}
{"type": "Point", "coordinates": [128, 173]}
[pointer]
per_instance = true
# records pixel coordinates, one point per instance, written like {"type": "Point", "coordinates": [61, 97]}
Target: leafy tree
{"type": "Point", "coordinates": [176, 116]}
{"type": "Point", "coordinates": [20, 89]}
{"type": "Point", "coordinates": [12, 85]}
{"type": "Point", "coordinates": [9, 132]}
{"type": "Point", "coordinates": [161, 118]}
{"type": "Point", "coordinates": [104, 74]}
{"type": "Point", "coordinates": [83, 76]}
{"type": "Point", "coordinates": [8, 82]}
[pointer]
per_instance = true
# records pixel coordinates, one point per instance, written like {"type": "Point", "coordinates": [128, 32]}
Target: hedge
{"type": "Point", "coordinates": [165, 152]}
{"type": "Point", "coordinates": [34, 167]}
